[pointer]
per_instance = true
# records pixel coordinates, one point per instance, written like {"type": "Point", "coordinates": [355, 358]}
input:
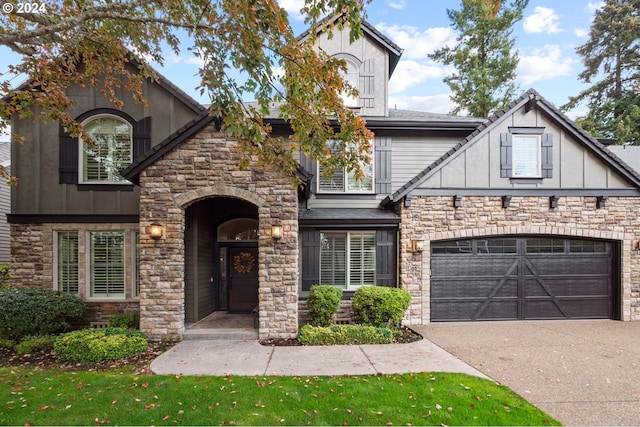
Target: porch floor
{"type": "Point", "coordinates": [222, 325]}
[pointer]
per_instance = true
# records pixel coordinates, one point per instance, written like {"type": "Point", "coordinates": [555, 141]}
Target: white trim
{"type": "Point", "coordinates": [514, 157]}
{"type": "Point", "coordinates": [347, 234]}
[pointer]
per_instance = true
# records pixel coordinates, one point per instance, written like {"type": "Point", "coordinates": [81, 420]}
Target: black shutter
{"type": "Point", "coordinates": [310, 258]}
{"type": "Point", "coordinates": [547, 155]}
{"type": "Point", "coordinates": [141, 137]}
{"type": "Point", "coordinates": [506, 154]}
{"type": "Point", "coordinates": [386, 258]}
{"type": "Point", "coordinates": [367, 89]}
{"type": "Point", "coordinates": [382, 159]}
{"type": "Point", "coordinates": [68, 158]}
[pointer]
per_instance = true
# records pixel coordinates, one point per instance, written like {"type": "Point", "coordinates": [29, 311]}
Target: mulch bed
{"type": "Point", "coordinates": [405, 336]}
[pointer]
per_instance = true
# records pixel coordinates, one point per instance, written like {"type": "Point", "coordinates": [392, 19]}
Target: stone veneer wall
{"type": "Point", "coordinates": [205, 166]}
{"type": "Point", "coordinates": [32, 264]}
{"type": "Point", "coordinates": [432, 218]}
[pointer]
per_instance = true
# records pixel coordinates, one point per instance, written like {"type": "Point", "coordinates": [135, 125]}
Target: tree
{"type": "Point", "coordinates": [104, 44]}
{"type": "Point", "coordinates": [612, 55]}
{"type": "Point", "coordinates": [484, 59]}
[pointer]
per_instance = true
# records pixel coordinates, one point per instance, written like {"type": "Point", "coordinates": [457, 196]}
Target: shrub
{"type": "Point", "coordinates": [35, 344]}
{"type": "Point", "coordinates": [99, 345]}
{"type": "Point", "coordinates": [344, 334]}
{"type": "Point", "coordinates": [6, 343]}
{"type": "Point", "coordinates": [323, 303]}
{"type": "Point", "coordinates": [380, 306]}
{"type": "Point", "coordinates": [4, 274]}
{"type": "Point", "coordinates": [125, 320]}
{"type": "Point", "coordinates": [33, 311]}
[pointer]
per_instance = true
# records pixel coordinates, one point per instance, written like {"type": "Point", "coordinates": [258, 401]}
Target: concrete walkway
{"type": "Point", "coordinates": [584, 372]}
{"type": "Point", "coordinates": [249, 357]}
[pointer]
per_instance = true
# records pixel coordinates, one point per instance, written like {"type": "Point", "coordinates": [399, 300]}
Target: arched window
{"type": "Point", "coordinates": [108, 153]}
{"type": "Point", "coordinates": [351, 77]}
{"type": "Point", "coordinates": [239, 229]}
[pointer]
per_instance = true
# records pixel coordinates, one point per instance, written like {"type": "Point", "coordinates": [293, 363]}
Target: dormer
{"type": "Point", "coordinates": [370, 60]}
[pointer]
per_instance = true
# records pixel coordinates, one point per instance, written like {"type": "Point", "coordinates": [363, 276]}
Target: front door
{"type": "Point", "coordinates": [243, 278]}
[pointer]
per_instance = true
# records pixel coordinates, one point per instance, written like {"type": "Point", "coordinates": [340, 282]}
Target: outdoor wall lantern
{"type": "Point", "coordinates": [277, 231]}
{"type": "Point", "coordinates": [417, 246]}
{"type": "Point", "coordinates": [156, 231]}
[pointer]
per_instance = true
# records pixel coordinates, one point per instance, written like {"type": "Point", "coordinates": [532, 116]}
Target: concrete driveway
{"type": "Point", "coordinates": [584, 372]}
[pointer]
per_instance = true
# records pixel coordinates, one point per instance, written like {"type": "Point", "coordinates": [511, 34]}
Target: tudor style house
{"type": "Point", "coordinates": [521, 216]}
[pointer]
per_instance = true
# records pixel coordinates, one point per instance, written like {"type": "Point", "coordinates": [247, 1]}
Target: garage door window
{"type": "Point", "coordinates": [545, 246]}
{"type": "Point", "coordinates": [480, 246]}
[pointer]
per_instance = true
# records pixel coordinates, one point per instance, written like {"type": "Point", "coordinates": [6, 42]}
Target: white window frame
{"type": "Point", "coordinates": [82, 147]}
{"type": "Point", "coordinates": [91, 295]}
{"type": "Point", "coordinates": [135, 264]}
{"type": "Point", "coordinates": [352, 76]}
{"type": "Point", "coordinates": [519, 158]}
{"type": "Point", "coordinates": [348, 259]}
{"type": "Point", "coordinates": [56, 259]}
{"type": "Point", "coordinates": [349, 176]}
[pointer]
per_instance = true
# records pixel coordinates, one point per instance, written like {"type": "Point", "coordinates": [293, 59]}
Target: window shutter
{"type": "Point", "coordinates": [386, 258]}
{"type": "Point", "coordinates": [68, 158]}
{"type": "Point", "coordinates": [547, 155]}
{"type": "Point", "coordinates": [506, 154]}
{"type": "Point", "coordinates": [382, 159]}
{"type": "Point", "coordinates": [333, 259]}
{"type": "Point", "coordinates": [141, 137]}
{"type": "Point", "coordinates": [367, 87]}
{"type": "Point", "coordinates": [310, 258]}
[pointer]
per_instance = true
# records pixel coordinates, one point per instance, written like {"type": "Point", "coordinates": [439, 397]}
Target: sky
{"type": "Point", "coordinates": [546, 39]}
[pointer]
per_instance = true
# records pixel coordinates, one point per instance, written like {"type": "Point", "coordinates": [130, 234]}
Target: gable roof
{"type": "Point", "coordinates": [530, 99]}
{"type": "Point", "coordinates": [395, 51]}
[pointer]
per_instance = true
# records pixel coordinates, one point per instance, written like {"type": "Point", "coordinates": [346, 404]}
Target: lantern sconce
{"type": "Point", "coordinates": [601, 202]}
{"type": "Point", "coordinates": [417, 246]}
{"type": "Point", "coordinates": [277, 231]}
{"type": "Point", "coordinates": [156, 231]}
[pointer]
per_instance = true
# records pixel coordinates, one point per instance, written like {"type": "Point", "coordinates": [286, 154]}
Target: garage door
{"type": "Point", "coordinates": [518, 278]}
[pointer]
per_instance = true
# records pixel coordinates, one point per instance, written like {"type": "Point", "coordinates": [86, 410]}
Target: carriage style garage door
{"type": "Point", "coordinates": [517, 278]}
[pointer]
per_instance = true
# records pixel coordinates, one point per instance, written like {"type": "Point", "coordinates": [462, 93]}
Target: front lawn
{"type": "Point", "coordinates": [54, 397]}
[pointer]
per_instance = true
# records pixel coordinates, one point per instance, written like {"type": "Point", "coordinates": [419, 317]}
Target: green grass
{"type": "Point", "coordinates": [33, 397]}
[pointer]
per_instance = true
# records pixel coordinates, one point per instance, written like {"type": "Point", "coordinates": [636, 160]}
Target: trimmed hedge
{"type": "Point", "coordinates": [380, 306]}
{"type": "Point", "coordinates": [125, 320]}
{"type": "Point", "coordinates": [33, 311]}
{"type": "Point", "coordinates": [99, 345]}
{"type": "Point", "coordinates": [35, 344]}
{"type": "Point", "coordinates": [344, 334]}
{"type": "Point", "coordinates": [323, 303]}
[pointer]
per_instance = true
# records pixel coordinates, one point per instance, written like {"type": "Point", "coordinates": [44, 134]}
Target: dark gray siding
{"type": "Point", "coordinates": [45, 188]}
{"type": "Point", "coordinates": [5, 202]}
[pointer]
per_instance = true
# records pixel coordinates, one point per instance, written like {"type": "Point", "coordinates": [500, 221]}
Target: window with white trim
{"type": "Point", "coordinates": [106, 264]}
{"type": "Point", "coordinates": [109, 152]}
{"type": "Point", "coordinates": [136, 264]}
{"type": "Point", "coordinates": [526, 156]}
{"type": "Point", "coordinates": [67, 261]}
{"type": "Point", "coordinates": [348, 259]}
{"type": "Point", "coordinates": [351, 77]}
{"type": "Point", "coordinates": [344, 180]}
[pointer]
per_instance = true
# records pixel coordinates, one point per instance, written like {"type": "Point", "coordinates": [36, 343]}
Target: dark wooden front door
{"type": "Point", "coordinates": [243, 278]}
{"type": "Point", "coordinates": [523, 278]}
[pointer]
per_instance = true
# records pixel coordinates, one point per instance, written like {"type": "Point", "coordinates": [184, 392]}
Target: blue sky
{"type": "Point", "coordinates": [546, 39]}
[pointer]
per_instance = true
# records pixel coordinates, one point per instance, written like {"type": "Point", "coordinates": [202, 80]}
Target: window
{"type": "Point", "coordinates": [351, 77]}
{"type": "Point", "coordinates": [526, 156]}
{"type": "Point", "coordinates": [110, 151]}
{"type": "Point", "coordinates": [343, 180]}
{"type": "Point", "coordinates": [348, 259]}
{"type": "Point", "coordinates": [67, 261]}
{"type": "Point", "coordinates": [107, 264]}
{"type": "Point", "coordinates": [136, 264]}
{"type": "Point", "coordinates": [526, 153]}
{"type": "Point", "coordinates": [239, 229]}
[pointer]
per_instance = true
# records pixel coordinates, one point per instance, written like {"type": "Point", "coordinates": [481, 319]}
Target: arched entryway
{"type": "Point", "coordinates": [221, 257]}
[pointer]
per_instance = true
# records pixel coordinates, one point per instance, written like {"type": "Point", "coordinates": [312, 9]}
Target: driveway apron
{"type": "Point", "coordinates": [581, 372]}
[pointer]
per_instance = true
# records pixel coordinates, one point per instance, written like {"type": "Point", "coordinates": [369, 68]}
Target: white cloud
{"type": "Point", "coordinates": [543, 20]}
{"type": "Point", "coordinates": [433, 104]}
{"type": "Point", "coordinates": [581, 32]}
{"type": "Point", "coordinates": [293, 8]}
{"type": "Point", "coordinates": [545, 63]}
{"type": "Point", "coordinates": [592, 7]}
{"type": "Point", "coordinates": [409, 73]}
{"type": "Point", "coordinates": [418, 44]}
{"type": "Point", "coordinates": [397, 4]}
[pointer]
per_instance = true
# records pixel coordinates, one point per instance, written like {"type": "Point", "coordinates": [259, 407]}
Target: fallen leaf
{"type": "Point", "coordinates": [149, 406]}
